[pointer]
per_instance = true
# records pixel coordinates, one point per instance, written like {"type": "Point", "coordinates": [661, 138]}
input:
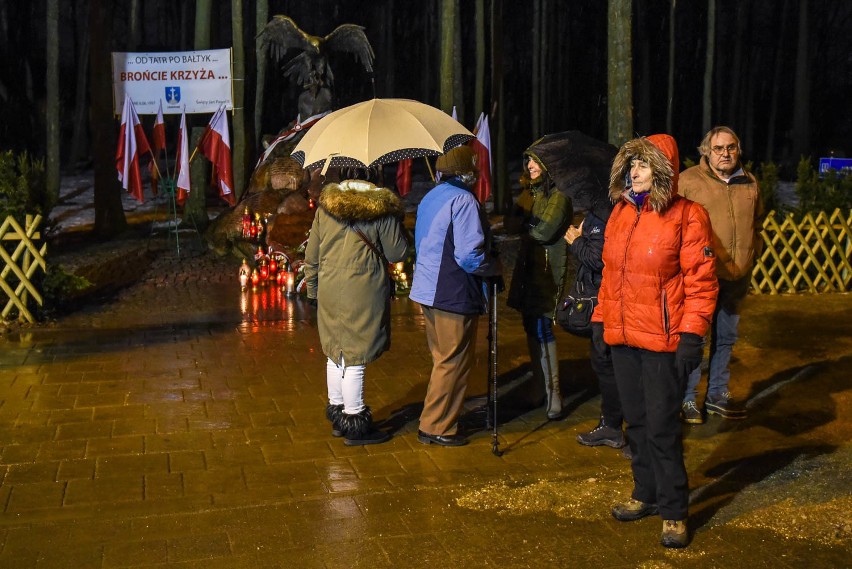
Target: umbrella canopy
{"type": "Point", "coordinates": [579, 166]}
{"type": "Point", "coordinates": [379, 131]}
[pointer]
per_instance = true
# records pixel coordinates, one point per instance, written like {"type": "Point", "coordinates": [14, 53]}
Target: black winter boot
{"type": "Point", "coordinates": [603, 434]}
{"type": "Point", "coordinates": [333, 413]}
{"type": "Point", "coordinates": [358, 429]}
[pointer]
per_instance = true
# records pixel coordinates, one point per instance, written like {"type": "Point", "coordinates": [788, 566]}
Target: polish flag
{"type": "Point", "coordinates": [159, 143]}
{"type": "Point", "coordinates": [216, 146]}
{"type": "Point", "coordinates": [482, 146]}
{"type": "Point", "coordinates": [182, 160]}
{"type": "Point", "coordinates": [403, 177]}
{"type": "Point", "coordinates": [131, 144]}
{"type": "Point", "coordinates": [159, 133]}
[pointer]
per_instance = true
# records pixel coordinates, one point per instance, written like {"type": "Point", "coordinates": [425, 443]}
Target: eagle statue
{"type": "Point", "coordinates": [310, 68]}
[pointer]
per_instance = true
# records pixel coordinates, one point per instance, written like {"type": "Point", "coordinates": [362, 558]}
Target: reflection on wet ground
{"type": "Point", "coordinates": [181, 423]}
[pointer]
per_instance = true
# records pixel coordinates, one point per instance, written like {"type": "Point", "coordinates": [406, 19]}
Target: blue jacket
{"type": "Point", "coordinates": [453, 245]}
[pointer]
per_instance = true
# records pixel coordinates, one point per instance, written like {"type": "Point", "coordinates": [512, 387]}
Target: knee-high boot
{"type": "Point", "coordinates": [550, 371]}
{"type": "Point", "coordinates": [536, 394]}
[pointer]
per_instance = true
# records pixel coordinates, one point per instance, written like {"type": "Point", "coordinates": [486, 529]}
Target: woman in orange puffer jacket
{"type": "Point", "coordinates": [656, 303]}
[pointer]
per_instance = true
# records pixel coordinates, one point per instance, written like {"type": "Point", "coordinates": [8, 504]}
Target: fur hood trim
{"type": "Point", "coordinates": [660, 152]}
{"type": "Point", "coordinates": [357, 200]}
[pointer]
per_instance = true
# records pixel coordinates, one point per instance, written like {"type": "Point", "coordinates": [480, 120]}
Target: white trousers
{"type": "Point", "coordinates": [345, 386]}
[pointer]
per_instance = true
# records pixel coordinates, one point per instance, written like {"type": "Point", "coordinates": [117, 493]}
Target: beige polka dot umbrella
{"type": "Point", "coordinates": [379, 131]}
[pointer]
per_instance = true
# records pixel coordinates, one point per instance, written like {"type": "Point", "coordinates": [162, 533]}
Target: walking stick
{"type": "Point", "coordinates": [492, 365]}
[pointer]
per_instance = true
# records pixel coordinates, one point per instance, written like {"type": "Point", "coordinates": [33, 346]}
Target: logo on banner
{"type": "Point", "coordinates": [173, 95]}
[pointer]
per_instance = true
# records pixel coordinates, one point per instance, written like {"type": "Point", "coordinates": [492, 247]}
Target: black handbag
{"type": "Point", "coordinates": [575, 312]}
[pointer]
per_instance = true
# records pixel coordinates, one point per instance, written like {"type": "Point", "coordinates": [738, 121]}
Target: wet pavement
{"type": "Point", "coordinates": [181, 423]}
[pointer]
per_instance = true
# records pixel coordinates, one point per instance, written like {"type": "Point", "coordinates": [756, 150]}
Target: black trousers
{"type": "Point", "coordinates": [651, 393]}
{"type": "Point", "coordinates": [610, 403]}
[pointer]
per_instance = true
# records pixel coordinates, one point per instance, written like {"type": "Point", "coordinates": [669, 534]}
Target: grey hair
{"type": "Point", "coordinates": [704, 147]}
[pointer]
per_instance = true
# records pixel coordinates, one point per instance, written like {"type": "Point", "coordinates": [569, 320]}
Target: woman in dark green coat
{"type": "Point", "coordinates": [542, 214]}
{"type": "Point", "coordinates": [349, 281]}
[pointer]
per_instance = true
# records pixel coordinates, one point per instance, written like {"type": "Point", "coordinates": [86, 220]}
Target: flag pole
{"type": "Point", "coordinates": [154, 159]}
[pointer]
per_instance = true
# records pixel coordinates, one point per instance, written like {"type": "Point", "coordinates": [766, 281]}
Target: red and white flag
{"type": "Point", "coordinates": [182, 183]}
{"type": "Point", "coordinates": [403, 177]}
{"type": "Point", "coordinates": [297, 127]}
{"type": "Point", "coordinates": [159, 132]}
{"type": "Point", "coordinates": [482, 146]}
{"type": "Point", "coordinates": [216, 146]}
{"type": "Point", "coordinates": [132, 143]}
{"type": "Point", "coordinates": [158, 138]}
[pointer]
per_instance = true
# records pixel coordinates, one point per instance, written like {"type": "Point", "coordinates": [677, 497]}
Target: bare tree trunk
{"type": "Point", "coordinates": [544, 77]}
{"type": "Point", "coordinates": [52, 77]}
{"type": "Point", "coordinates": [535, 46]}
{"type": "Point", "coordinates": [79, 139]}
{"type": "Point", "coordinates": [458, 70]}
{"type": "Point", "coordinates": [643, 113]}
{"type": "Point", "coordinates": [709, 53]}
{"type": "Point", "coordinates": [195, 209]}
{"type": "Point", "coordinates": [802, 89]}
{"type": "Point", "coordinates": [500, 181]}
{"type": "Point", "coordinates": [776, 80]}
{"type": "Point", "coordinates": [390, 60]}
{"type": "Point", "coordinates": [448, 14]}
{"type": "Point", "coordinates": [670, 101]}
{"type": "Point", "coordinates": [734, 81]}
{"type": "Point", "coordinates": [262, 17]}
{"type": "Point", "coordinates": [620, 73]}
{"type": "Point", "coordinates": [239, 146]}
{"type": "Point", "coordinates": [109, 214]}
{"type": "Point", "coordinates": [479, 98]}
{"type": "Point", "coordinates": [135, 25]}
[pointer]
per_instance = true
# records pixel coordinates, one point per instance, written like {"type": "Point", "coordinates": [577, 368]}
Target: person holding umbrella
{"type": "Point", "coordinates": [452, 239]}
{"type": "Point", "coordinates": [656, 299]}
{"type": "Point", "coordinates": [356, 232]}
{"type": "Point", "coordinates": [542, 214]}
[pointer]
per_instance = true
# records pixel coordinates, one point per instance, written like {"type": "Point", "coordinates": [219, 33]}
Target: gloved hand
{"type": "Point", "coordinates": [597, 338]}
{"type": "Point", "coordinates": [689, 352]}
{"type": "Point", "coordinates": [497, 280]}
{"type": "Point", "coordinates": [312, 302]}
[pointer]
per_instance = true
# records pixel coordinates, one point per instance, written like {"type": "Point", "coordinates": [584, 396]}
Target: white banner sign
{"type": "Point", "coordinates": [199, 80]}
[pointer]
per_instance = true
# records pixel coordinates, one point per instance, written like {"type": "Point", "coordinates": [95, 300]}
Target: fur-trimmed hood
{"type": "Point", "coordinates": [357, 200]}
{"type": "Point", "coordinates": [660, 152]}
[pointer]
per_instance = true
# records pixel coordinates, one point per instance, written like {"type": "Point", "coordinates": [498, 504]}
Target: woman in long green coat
{"type": "Point", "coordinates": [349, 282]}
{"type": "Point", "coordinates": [542, 214]}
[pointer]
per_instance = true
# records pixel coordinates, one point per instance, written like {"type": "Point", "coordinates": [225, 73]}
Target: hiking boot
{"type": "Point", "coordinates": [690, 413]}
{"type": "Point", "coordinates": [602, 435]}
{"type": "Point", "coordinates": [633, 510]}
{"type": "Point", "coordinates": [724, 406]}
{"type": "Point", "coordinates": [674, 534]}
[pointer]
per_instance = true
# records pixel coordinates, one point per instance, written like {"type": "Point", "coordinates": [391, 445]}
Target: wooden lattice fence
{"type": "Point", "coordinates": [31, 258]}
{"type": "Point", "coordinates": [809, 255]}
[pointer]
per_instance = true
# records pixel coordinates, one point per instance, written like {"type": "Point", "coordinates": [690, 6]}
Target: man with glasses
{"type": "Point", "coordinates": [732, 198]}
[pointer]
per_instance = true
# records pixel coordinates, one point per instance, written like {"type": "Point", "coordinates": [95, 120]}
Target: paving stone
{"type": "Point", "coordinates": [35, 496]}
{"type": "Point", "coordinates": [130, 554]}
{"type": "Point", "coordinates": [212, 449]}
{"type": "Point", "coordinates": [105, 490]}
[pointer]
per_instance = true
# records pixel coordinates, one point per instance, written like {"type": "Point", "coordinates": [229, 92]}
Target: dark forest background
{"type": "Point", "coordinates": [756, 43]}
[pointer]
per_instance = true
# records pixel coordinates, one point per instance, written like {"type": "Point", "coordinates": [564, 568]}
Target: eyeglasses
{"type": "Point", "coordinates": [720, 150]}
